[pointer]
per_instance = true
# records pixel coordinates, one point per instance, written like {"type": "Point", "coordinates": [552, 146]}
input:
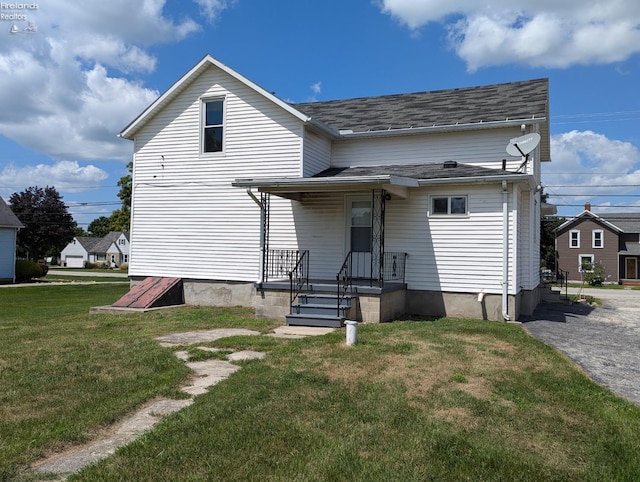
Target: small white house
{"type": "Point", "coordinates": [398, 204]}
{"type": "Point", "coordinates": [112, 250]}
{"type": "Point", "coordinates": [9, 226]}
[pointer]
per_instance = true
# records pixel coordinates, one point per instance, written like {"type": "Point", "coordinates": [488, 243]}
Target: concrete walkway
{"type": "Point", "coordinates": [206, 374]}
{"type": "Point", "coordinates": [604, 341]}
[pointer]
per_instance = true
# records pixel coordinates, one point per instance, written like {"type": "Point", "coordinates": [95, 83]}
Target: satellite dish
{"type": "Point", "coordinates": [523, 145]}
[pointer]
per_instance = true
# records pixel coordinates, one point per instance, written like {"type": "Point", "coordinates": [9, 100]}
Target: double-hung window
{"type": "Point", "coordinates": [597, 238]}
{"type": "Point", "coordinates": [586, 262]}
{"type": "Point", "coordinates": [213, 125]}
{"type": "Point", "coordinates": [448, 205]}
{"type": "Point", "coordinates": [574, 239]}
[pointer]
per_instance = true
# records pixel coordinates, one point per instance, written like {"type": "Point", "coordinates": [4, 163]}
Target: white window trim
{"type": "Point", "coordinates": [571, 239]}
{"type": "Point", "coordinates": [580, 256]}
{"type": "Point", "coordinates": [593, 238]}
{"type": "Point", "coordinates": [203, 120]}
{"type": "Point", "coordinates": [448, 215]}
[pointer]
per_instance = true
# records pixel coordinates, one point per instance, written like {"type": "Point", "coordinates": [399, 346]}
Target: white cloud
{"type": "Point", "coordinates": [316, 88]}
{"type": "Point", "coordinates": [67, 90]}
{"type": "Point", "coordinates": [543, 33]}
{"type": "Point", "coordinates": [211, 9]}
{"type": "Point", "coordinates": [68, 176]}
{"type": "Point", "coordinates": [603, 165]}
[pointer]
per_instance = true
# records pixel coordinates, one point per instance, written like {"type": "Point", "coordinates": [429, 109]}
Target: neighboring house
{"type": "Point", "coordinates": [611, 239]}
{"type": "Point", "coordinates": [112, 250]}
{"type": "Point", "coordinates": [9, 226]}
{"type": "Point", "coordinates": [410, 200]}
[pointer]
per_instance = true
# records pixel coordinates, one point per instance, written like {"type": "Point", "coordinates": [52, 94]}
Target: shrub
{"type": "Point", "coordinates": [124, 267]}
{"type": "Point", "coordinates": [44, 267]}
{"type": "Point", "coordinates": [595, 274]}
{"type": "Point", "coordinates": [27, 270]}
{"type": "Point", "coordinates": [89, 265]}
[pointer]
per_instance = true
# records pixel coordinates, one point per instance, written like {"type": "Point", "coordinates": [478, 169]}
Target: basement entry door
{"type": "Point", "coordinates": [359, 225]}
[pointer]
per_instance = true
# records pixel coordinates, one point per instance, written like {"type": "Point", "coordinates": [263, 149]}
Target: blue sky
{"type": "Point", "coordinates": [73, 74]}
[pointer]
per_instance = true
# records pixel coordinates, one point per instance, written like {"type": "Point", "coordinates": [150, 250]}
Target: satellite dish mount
{"type": "Point", "coordinates": [522, 146]}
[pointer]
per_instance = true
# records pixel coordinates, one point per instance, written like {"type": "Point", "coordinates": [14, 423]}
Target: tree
{"type": "Point", "coordinates": [548, 227]}
{"type": "Point", "coordinates": [126, 187]}
{"type": "Point", "coordinates": [548, 241]}
{"type": "Point", "coordinates": [48, 225]}
{"type": "Point", "coordinates": [99, 227]}
{"type": "Point", "coordinates": [120, 219]}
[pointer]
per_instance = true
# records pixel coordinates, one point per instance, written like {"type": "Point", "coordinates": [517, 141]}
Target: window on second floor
{"type": "Point", "coordinates": [574, 239]}
{"type": "Point", "coordinates": [121, 242]}
{"type": "Point", "coordinates": [597, 238]}
{"type": "Point", "coordinates": [213, 126]}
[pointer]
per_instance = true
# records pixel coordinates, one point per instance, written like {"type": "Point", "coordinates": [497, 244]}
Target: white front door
{"type": "Point", "coordinates": [358, 230]}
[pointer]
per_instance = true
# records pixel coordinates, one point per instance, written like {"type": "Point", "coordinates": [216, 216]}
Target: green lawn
{"type": "Point", "coordinates": [430, 400]}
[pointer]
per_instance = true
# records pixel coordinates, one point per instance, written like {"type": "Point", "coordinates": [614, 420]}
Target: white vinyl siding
{"type": "Point", "coordinates": [450, 253]}
{"type": "Point", "coordinates": [74, 249]}
{"type": "Point", "coordinates": [482, 148]}
{"type": "Point", "coordinates": [316, 224]}
{"type": "Point", "coordinates": [188, 221]}
{"type": "Point", "coordinates": [445, 254]}
{"type": "Point", "coordinates": [317, 153]}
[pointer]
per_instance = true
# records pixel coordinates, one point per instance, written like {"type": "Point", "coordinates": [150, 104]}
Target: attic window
{"type": "Point", "coordinates": [449, 164]}
{"type": "Point", "coordinates": [213, 125]}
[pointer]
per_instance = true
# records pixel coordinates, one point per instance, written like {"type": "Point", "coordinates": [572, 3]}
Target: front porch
{"type": "Point", "coordinates": [369, 287]}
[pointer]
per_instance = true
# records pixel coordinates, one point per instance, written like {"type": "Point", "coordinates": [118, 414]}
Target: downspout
{"type": "Point", "coordinates": [262, 240]}
{"type": "Point", "coordinates": [505, 251]}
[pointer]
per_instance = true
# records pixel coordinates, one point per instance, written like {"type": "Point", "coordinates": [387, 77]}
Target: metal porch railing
{"type": "Point", "coordinates": [298, 277]}
{"type": "Point", "coordinates": [361, 266]}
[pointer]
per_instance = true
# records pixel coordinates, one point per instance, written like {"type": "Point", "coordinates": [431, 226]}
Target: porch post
{"type": "Point", "coordinates": [263, 203]}
{"type": "Point", "coordinates": [377, 235]}
{"type": "Point", "coordinates": [265, 199]}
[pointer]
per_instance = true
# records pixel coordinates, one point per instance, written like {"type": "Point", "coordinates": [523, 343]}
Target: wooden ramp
{"type": "Point", "coordinates": [153, 292]}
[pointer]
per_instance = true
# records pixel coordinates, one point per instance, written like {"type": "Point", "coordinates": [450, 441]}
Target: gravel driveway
{"type": "Point", "coordinates": [604, 341]}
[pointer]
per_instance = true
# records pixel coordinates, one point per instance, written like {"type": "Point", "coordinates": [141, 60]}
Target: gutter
{"type": "Point", "coordinates": [347, 134]}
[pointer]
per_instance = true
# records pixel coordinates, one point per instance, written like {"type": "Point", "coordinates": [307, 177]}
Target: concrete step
{"type": "Point", "coordinates": [327, 321]}
{"type": "Point", "coordinates": [319, 309]}
{"type": "Point", "coordinates": [323, 299]}
{"type": "Point", "coordinates": [551, 295]}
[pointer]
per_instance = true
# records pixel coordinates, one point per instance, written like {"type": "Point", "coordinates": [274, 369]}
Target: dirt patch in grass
{"type": "Point", "coordinates": [458, 363]}
{"type": "Point", "coordinates": [460, 417]}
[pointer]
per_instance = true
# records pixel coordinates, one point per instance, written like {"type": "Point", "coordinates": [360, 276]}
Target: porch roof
{"type": "Point", "coordinates": [395, 179]}
{"type": "Point", "coordinates": [631, 248]}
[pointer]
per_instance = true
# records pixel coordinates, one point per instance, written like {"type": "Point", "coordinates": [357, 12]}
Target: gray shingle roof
{"type": "Point", "coordinates": [88, 243]}
{"type": "Point", "coordinates": [415, 171]}
{"type": "Point", "coordinates": [7, 218]}
{"type": "Point", "coordinates": [628, 222]}
{"type": "Point", "coordinates": [490, 103]}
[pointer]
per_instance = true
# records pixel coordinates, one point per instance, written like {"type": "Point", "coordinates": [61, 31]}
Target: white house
{"type": "Point", "coordinates": [112, 250]}
{"type": "Point", "coordinates": [410, 201]}
{"type": "Point", "coordinates": [9, 226]}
